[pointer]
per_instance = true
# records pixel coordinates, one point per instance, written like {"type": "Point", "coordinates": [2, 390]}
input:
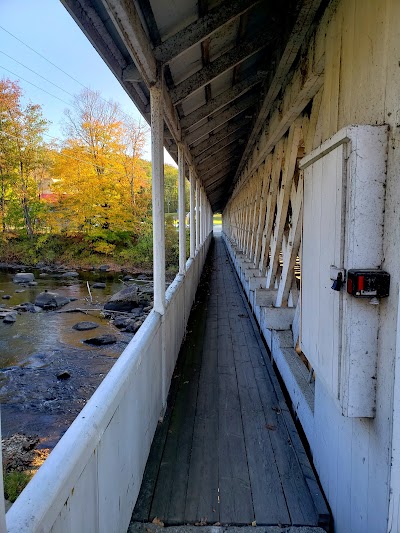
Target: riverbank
{"type": "Point", "coordinates": [52, 358]}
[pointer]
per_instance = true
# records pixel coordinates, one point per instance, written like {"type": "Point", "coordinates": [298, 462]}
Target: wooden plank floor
{"type": "Point", "coordinates": [227, 451]}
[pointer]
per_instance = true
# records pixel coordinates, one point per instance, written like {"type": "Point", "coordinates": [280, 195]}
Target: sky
{"type": "Point", "coordinates": [47, 27]}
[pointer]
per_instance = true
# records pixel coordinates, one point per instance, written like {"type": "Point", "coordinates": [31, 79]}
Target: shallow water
{"type": "Point", "coordinates": [38, 347]}
{"type": "Point", "coordinates": [34, 333]}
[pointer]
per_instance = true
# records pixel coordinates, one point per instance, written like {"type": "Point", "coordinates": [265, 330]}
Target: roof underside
{"type": "Point", "coordinates": [223, 61]}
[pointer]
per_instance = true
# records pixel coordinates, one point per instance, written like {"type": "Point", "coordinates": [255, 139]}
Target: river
{"type": "Point", "coordinates": [38, 347]}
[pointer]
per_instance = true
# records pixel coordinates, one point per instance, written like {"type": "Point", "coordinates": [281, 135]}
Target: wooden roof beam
{"type": "Point", "coordinates": [237, 138]}
{"type": "Point", "coordinates": [227, 61]}
{"type": "Point", "coordinates": [126, 20]}
{"type": "Point", "coordinates": [221, 100]}
{"type": "Point", "coordinates": [224, 165]}
{"type": "Point", "coordinates": [299, 31]}
{"type": "Point", "coordinates": [220, 158]}
{"type": "Point", "coordinates": [238, 127]}
{"type": "Point", "coordinates": [221, 118]}
{"type": "Point", "coordinates": [201, 29]}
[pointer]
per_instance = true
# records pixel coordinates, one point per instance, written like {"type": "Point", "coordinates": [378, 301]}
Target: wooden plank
{"type": "Point", "coordinates": [292, 461]}
{"type": "Point", "coordinates": [268, 497]}
{"type": "Point", "coordinates": [271, 202]}
{"type": "Point", "coordinates": [202, 492]}
{"type": "Point", "coordinates": [236, 504]}
{"type": "Point", "coordinates": [293, 246]}
{"type": "Point", "coordinates": [265, 176]}
{"type": "Point", "coordinates": [283, 200]}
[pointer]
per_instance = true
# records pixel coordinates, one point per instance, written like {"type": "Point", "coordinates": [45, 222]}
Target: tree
{"type": "Point", "coordinates": [22, 153]}
{"type": "Point", "coordinates": [101, 185]}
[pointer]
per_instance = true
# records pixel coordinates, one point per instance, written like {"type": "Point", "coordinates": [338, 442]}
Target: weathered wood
{"type": "Point", "coordinates": [283, 200]}
{"type": "Point", "coordinates": [271, 203]}
{"type": "Point", "coordinates": [293, 245]}
{"type": "Point", "coordinates": [217, 67]}
{"type": "Point", "coordinates": [226, 456]}
{"type": "Point", "coordinates": [201, 29]}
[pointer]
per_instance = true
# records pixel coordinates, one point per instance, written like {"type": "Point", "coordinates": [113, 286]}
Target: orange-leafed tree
{"type": "Point", "coordinates": [100, 183]}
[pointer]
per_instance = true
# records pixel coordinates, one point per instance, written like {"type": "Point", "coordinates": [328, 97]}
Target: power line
{"type": "Point", "coordinates": [37, 86]}
{"type": "Point", "coordinates": [57, 67]}
{"type": "Point", "coordinates": [43, 57]}
{"type": "Point", "coordinates": [37, 74]}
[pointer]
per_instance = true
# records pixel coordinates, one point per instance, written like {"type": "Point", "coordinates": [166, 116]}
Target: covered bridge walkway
{"type": "Point", "coordinates": [227, 451]}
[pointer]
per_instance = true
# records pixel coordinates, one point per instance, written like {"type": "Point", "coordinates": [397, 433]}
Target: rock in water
{"type": "Point", "coordinates": [23, 277]}
{"type": "Point", "coordinates": [99, 285]}
{"type": "Point", "coordinates": [6, 297]}
{"type": "Point", "coordinates": [101, 340]}
{"type": "Point", "coordinates": [27, 306]}
{"type": "Point", "coordinates": [85, 326]}
{"type": "Point", "coordinates": [71, 274]}
{"type": "Point", "coordinates": [62, 376]}
{"type": "Point", "coordinates": [124, 300]}
{"type": "Point", "coordinates": [51, 300]}
{"type": "Point", "coordinates": [9, 319]}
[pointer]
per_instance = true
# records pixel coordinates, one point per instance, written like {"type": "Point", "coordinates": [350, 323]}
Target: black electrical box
{"type": "Point", "coordinates": [368, 283]}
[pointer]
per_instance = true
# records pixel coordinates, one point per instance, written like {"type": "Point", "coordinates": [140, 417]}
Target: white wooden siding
{"type": "Point", "coordinates": [322, 248]}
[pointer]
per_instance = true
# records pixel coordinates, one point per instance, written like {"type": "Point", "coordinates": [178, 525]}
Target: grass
{"type": "Point", "coordinates": [217, 219]}
{"type": "Point", "coordinates": [14, 484]}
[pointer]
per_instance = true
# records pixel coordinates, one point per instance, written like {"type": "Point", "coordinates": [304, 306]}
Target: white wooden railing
{"type": "Point", "coordinates": [90, 481]}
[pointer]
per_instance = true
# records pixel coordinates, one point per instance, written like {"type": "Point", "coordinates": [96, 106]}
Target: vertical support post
{"type": "Point", "coordinates": [192, 214]}
{"type": "Point", "coordinates": [181, 209]}
{"type": "Point", "coordinates": [157, 177]}
{"type": "Point", "coordinates": [197, 215]}
{"type": "Point", "coordinates": [201, 216]}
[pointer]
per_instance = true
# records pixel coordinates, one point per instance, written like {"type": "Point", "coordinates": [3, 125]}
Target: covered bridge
{"type": "Point", "coordinates": [285, 118]}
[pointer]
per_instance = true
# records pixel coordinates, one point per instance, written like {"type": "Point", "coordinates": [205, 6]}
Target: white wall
{"type": "Point", "coordinates": [90, 481]}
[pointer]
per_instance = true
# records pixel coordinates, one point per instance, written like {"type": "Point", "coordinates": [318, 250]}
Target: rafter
{"type": "Point", "coordinates": [301, 27]}
{"type": "Point", "coordinates": [221, 118]}
{"type": "Point", "coordinates": [233, 57]}
{"type": "Point", "coordinates": [201, 29]}
{"type": "Point", "coordinates": [217, 138]}
{"type": "Point", "coordinates": [214, 149]}
{"type": "Point", "coordinates": [223, 165]}
{"type": "Point", "coordinates": [222, 156]}
{"type": "Point", "coordinates": [221, 100]}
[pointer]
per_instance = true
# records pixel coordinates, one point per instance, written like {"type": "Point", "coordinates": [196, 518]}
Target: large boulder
{"type": "Point", "coordinates": [102, 340]}
{"type": "Point", "coordinates": [23, 277]}
{"type": "Point", "coordinates": [51, 300]}
{"type": "Point", "coordinates": [124, 300]}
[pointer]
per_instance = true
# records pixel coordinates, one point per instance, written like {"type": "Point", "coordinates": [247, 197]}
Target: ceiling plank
{"type": "Point", "coordinates": [215, 139]}
{"type": "Point", "coordinates": [201, 29]}
{"type": "Point", "coordinates": [233, 57]}
{"type": "Point", "coordinates": [223, 165]}
{"type": "Point", "coordinates": [222, 156]}
{"type": "Point", "coordinates": [127, 21]}
{"type": "Point", "coordinates": [221, 118]}
{"type": "Point", "coordinates": [215, 149]}
{"type": "Point", "coordinates": [221, 100]}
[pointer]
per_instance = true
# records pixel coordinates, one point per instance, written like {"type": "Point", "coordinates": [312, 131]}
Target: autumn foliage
{"type": "Point", "coordinates": [91, 193]}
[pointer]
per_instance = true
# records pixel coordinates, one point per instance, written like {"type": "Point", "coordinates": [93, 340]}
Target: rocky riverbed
{"type": "Point", "coordinates": [60, 333]}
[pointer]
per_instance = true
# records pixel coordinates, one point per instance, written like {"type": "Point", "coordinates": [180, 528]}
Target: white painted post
{"type": "Point", "coordinates": [181, 209]}
{"type": "Point", "coordinates": [3, 528]}
{"type": "Point", "coordinates": [157, 176]}
{"type": "Point", "coordinates": [197, 215]}
{"type": "Point", "coordinates": [192, 214]}
{"type": "Point", "coordinates": [201, 216]}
